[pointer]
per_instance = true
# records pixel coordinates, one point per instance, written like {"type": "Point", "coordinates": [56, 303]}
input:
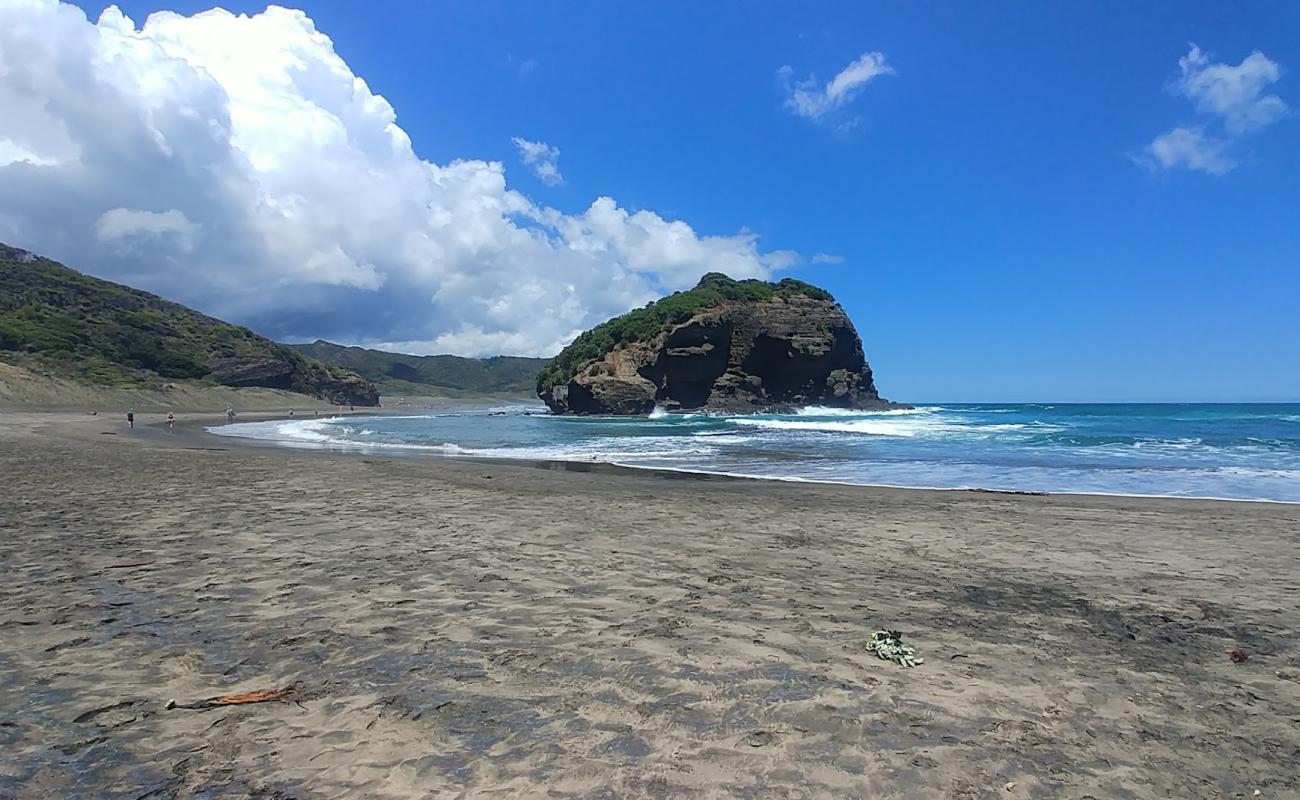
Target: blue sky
{"type": "Point", "coordinates": [1003, 231]}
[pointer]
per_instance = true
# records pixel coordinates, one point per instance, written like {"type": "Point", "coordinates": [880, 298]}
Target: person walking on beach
{"type": "Point", "coordinates": [171, 420]}
{"type": "Point", "coordinates": [130, 419]}
{"type": "Point", "coordinates": [230, 414]}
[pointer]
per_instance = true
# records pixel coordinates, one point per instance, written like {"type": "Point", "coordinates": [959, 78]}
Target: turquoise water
{"type": "Point", "coordinates": [1249, 451]}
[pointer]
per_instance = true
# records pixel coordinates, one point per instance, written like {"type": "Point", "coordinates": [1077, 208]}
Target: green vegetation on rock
{"type": "Point", "coordinates": [643, 324]}
{"type": "Point", "coordinates": [57, 320]}
{"type": "Point", "coordinates": [398, 373]}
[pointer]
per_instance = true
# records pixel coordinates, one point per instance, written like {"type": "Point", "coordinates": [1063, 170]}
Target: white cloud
{"type": "Point", "coordinates": [1191, 148]}
{"type": "Point", "coordinates": [808, 98]}
{"type": "Point", "coordinates": [1234, 96]}
{"type": "Point", "coordinates": [235, 163]}
{"type": "Point", "coordinates": [1234, 93]}
{"type": "Point", "coordinates": [827, 258]}
{"type": "Point", "coordinates": [120, 225]}
{"type": "Point", "coordinates": [11, 153]}
{"type": "Point", "coordinates": [542, 158]}
{"type": "Point", "coordinates": [646, 242]}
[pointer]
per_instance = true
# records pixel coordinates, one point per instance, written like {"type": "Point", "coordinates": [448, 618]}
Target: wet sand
{"type": "Point", "coordinates": [458, 629]}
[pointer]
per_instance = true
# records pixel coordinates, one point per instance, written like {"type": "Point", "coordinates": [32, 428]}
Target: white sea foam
{"type": "Point", "coordinates": [663, 413]}
{"type": "Point", "coordinates": [607, 449]}
{"type": "Point", "coordinates": [912, 424]}
{"type": "Point", "coordinates": [313, 434]}
{"type": "Point", "coordinates": [320, 432]}
{"type": "Point", "coordinates": [869, 427]}
{"type": "Point", "coordinates": [1169, 444]}
{"type": "Point", "coordinates": [827, 411]}
{"type": "Point", "coordinates": [722, 437]}
{"type": "Point", "coordinates": [1271, 443]}
{"type": "Point", "coordinates": [310, 430]}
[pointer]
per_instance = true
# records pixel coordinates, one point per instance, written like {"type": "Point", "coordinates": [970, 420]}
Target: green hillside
{"type": "Point", "coordinates": [57, 320]}
{"type": "Point", "coordinates": [641, 324]}
{"type": "Point", "coordinates": [397, 374]}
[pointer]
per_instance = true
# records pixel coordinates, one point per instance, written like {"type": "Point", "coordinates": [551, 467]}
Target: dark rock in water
{"type": "Point", "coordinates": [738, 346]}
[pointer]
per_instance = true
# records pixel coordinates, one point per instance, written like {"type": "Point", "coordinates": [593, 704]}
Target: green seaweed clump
{"type": "Point", "coordinates": [888, 645]}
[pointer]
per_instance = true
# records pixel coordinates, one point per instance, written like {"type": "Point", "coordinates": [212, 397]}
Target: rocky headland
{"type": "Point", "coordinates": [59, 323]}
{"type": "Point", "coordinates": [725, 345]}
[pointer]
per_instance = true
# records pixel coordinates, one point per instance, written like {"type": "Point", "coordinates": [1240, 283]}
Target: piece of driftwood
{"type": "Point", "coordinates": [244, 698]}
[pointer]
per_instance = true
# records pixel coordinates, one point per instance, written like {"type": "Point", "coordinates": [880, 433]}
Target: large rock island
{"type": "Point", "coordinates": [725, 345]}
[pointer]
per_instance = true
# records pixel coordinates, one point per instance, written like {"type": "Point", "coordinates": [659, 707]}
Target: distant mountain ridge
{"type": "Point", "coordinates": [399, 373]}
{"type": "Point", "coordinates": [63, 322]}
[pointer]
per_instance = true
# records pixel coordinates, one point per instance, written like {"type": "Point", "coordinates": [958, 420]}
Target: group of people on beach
{"type": "Point", "coordinates": [130, 419]}
{"type": "Point", "coordinates": [171, 417]}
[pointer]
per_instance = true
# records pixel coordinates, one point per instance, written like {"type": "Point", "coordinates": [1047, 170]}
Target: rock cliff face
{"type": "Point", "coordinates": [777, 349]}
{"type": "Point", "coordinates": [295, 375]}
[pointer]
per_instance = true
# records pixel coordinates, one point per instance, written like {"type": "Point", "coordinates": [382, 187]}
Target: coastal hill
{"type": "Point", "coordinates": [401, 374]}
{"type": "Point", "coordinates": [725, 345]}
{"type": "Point", "coordinates": [59, 322]}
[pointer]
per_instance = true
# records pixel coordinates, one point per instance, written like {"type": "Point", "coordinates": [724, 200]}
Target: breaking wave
{"type": "Point", "coordinates": [1243, 452]}
{"type": "Point", "coordinates": [868, 427]}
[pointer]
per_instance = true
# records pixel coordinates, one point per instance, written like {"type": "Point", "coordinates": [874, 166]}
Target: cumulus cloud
{"type": "Point", "coordinates": [1191, 148]}
{"type": "Point", "coordinates": [808, 98]}
{"type": "Point", "coordinates": [1235, 99]}
{"type": "Point", "coordinates": [124, 225]}
{"type": "Point", "coordinates": [1234, 93]}
{"type": "Point", "coordinates": [827, 258]}
{"type": "Point", "coordinates": [542, 158]}
{"type": "Point", "coordinates": [237, 164]}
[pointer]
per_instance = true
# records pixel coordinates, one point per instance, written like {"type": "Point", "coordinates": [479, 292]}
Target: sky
{"type": "Point", "coordinates": [1013, 202]}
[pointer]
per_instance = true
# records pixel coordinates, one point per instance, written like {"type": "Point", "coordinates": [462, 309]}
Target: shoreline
{"type": "Point", "coordinates": [616, 468]}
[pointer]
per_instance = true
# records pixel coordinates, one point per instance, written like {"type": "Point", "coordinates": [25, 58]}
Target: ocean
{"type": "Point", "coordinates": [1238, 451]}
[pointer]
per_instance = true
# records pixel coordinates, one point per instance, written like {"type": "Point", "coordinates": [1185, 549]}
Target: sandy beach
{"type": "Point", "coordinates": [460, 629]}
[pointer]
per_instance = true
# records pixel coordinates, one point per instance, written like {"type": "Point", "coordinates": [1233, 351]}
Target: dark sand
{"type": "Point", "coordinates": [483, 630]}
